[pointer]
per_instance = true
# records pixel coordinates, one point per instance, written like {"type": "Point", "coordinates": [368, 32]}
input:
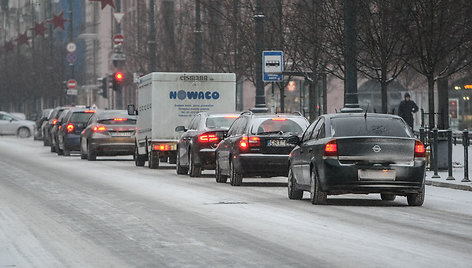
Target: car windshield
{"type": "Point", "coordinates": [80, 117]}
{"type": "Point", "coordinates": [279, 125]}
{"type": "Point", "coordinates": [220, 121]}
{"type": "Point", "coordinates": [373, 126]}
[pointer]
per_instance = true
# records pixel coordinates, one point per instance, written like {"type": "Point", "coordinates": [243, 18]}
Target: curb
{"type": "Point", "coordinates": [449, 185]}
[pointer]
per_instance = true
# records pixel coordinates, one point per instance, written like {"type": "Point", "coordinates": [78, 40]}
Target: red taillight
{"type": "Point", "coordinates": [70, 127]}
{"type": "Point", "coordinates": [243, 143]}
{"type": "Point", "coordinates": [231, 116]}
{"type": "Point", "coordinates": [120, 119]}
{"type": "Point", "coordinates": [279, 119]}
{"type": "Point", "coordinates": [54, 121]}
{"type": "Point", "coordinates": [420, 151]}
{"type": "Point", "coordinates": [99, 128]}
{"type": "Point", "coordinates": [331, 149]}
{"type": "Point", "coordinates": [252, 141]}
{"type": "Point", "coordinates": [161, 147]}
{"type": "Point", "coordinates": [208, 137]}
{"type": "Point", "coordinates": [89, 111]}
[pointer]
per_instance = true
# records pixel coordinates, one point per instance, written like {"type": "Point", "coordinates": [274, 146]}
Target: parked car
{"type": "Point", "coordinates": [12, 125]}
{"type": "Point", "coordinates": [68, 133]}
{"type": "Point", "coordinates": [51, 122]}
{"type": "Point", "coordinates": [256, 145]}
{"type": "Point", "coordinates": [42, 119]}
{"type": "Point", "coordinates": [108, 133]}
{"type": "Point", "coordinates": [196, 147]}
{"type": "Point", "coordinates": [357, 153]}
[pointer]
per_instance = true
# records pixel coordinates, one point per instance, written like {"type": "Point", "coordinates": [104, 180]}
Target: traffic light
{"type": "Point", "coordinates": [118, 78]}
{"type": "Point", "coordinates": [104, 86]}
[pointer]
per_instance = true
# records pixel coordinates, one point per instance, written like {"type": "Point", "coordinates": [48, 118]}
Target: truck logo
{"type": "Point", "coordinates": [194, 95]}
{"type": "Point", "coordinates": [194, 77]}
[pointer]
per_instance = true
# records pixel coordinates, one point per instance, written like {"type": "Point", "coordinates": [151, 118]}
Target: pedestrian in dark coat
{"type": "Point", "coordinates": [406, 109]}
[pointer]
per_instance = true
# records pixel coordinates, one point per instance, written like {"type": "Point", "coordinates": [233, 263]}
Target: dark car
{"type": "Point", "coordinates": [256, 145]}
{"type": "Point", "coordinates": [357, 153]}
{"type": "Point", "coordinates": [51, 122]}
{"type": "Point", "coordinates": [68, 133]}
{"type": "Point", "coordinates": [56, 126]}
{"type": "Point", "coordinates": [108, 133]}
{"type": "Point", "coordinates": [42, 120]}
{"type": "Point", "coordinates": [196, 147]}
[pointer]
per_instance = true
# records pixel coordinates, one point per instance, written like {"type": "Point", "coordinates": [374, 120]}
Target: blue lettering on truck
{"type": "Point", "coordinates": [194, 95]}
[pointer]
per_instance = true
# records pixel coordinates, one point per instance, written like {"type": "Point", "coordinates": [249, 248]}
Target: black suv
{"type": "Point", "coordinates": [256, 145]}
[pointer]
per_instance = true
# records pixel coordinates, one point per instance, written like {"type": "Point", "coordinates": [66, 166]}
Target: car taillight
{"type": "Point", "coordinates": [161, 147]}
{"type": "Point", "coordinates": [89, 111]}
{"type": "Point", "coordinates": [99, 128]}
{"type": "Point", "coordinates": [70, 127]}
{"type": "Point", "coordinates": [54, 121]}
{"type": "Point", "coordinates": [207, 137]}
{"type": "Point", "coordinates": [120, 119]}
{"type": "Point", "coordinates": [252, 141]}
{"type": "Point", "coordinates": [331, 149]}
{"type": "Point", "coordinates": [279, 119]}
{"type": "Point", "coordinates": [420, 151]}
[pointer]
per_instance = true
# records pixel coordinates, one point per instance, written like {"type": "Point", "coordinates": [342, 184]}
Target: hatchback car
{"type": "Point", "coordinates": [197, 146]}
{"type": "Point", "coordinates": [357, 153]}
{"type": "Point", "coordinates": [256, 145]}
{"type": "Point", "coordinates": [68, 133]}
{"type": "Point", "coordinates": [42, 120]}
{"type": "Point", "coordinates": [51, 122]}
{"type": "Point", "coordinates": [108, 133]}
{"type": "Point", "coordinates": [12, 125]}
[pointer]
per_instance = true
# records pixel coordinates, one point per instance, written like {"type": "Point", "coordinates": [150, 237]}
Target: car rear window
{"type": "Point", "coordinates": [80, 117]}
{"type": "Point", "coordinates": [373, 126]}
{"type": "Point", "coordinates": [220, 121]}
{"type": "Point", "coordinates": [279, 124]}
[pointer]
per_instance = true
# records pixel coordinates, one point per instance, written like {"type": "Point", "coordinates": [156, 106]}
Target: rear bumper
{"type": "Point", "coordinates": [205, 158]}
{"type": "Point", "coordinates": [113, 146]}
{"type": "Point", "coordinates": [72, 142]}
{"type": "Point", "coordinates": [270, 165]}
{"type": "Point", "coordinates": [341, 179]}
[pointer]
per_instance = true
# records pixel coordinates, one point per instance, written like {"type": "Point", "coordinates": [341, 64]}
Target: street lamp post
{"type": "Point", "coordinates": [259, 29]}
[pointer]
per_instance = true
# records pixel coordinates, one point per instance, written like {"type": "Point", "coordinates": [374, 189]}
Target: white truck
{"type": "Point", "coordinates": [167, 100]}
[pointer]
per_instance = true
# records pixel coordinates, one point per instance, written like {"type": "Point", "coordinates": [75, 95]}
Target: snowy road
{"type": "Point", "coordinates": [66, 212]}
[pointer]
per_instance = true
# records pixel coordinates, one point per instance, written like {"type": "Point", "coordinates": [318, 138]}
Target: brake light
{"type": "Point", "coordinates": [208, 137]}
{"type": "Point", "coordinates": [99, 128]}
{"type": "Point", "coordinates": [331, 149]}
{"type": "Point", "coordinates": [120, 119]}
{"type": "Point", "coordinates": [70, 127]}
{"type": "Point", "coordinates": [279, 119]}
{"type": "Point", "coordinates": [54, 121]}
{"type": "Point", "coordinates": [161, 147]}
{"type": "Point", "coordinates": [243, 143]}
{"type": "Point", "coordinates": [89, 111]}
{"type": "Point", "coordinates": [420, 151]}
{"type": "Point", "coordinates": [231, 116]}
{"type": "Point", "coordinates": [252, 141]}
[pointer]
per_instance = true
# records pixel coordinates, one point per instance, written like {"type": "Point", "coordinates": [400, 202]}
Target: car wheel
{"type": "Point", "coordinates": [317, 196]}
{"type": "Point", "coordinates": [91, 154]}
{"type": "Point", "coordinates": [58, 150]}
{"type": "Point", "coordinates": [23, 132]}
{"type": "Point", "coordinates": [139, 160]}
{"type": "Point", "coordinates": [194, 171]}
{"type": "Point", "coordinates": [416, 200]}
{"type": "Point", "coordinates": [220, 178]}
{"type": "Point", "coordinates": [66, 151]}
{"type": "Point", "coordinates": [53, 148]}
{"type": "Point", "coordinates": [46, 142]}
{"type": "Point", "coordinates": [236, 179]}
{"type": "Point", "coordinates": [293, 192]}
{"type": "Point", "coordinates": [153, 160]}
{"type": "Point", "coordinates": [388, 197]}
{"type": "Point", "coordinates": [180, 169]}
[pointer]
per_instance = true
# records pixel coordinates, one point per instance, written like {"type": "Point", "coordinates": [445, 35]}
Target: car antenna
{"type": "Point", "coordinates": [366, 110]}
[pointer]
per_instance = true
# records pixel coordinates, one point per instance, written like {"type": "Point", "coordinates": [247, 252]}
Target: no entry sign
{"type": "Point", "coordinates": [118, 39]}
{"type": "Point", "coordinates": [71, 84]}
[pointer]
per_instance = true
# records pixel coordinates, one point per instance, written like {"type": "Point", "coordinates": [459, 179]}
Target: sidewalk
{"type": "Point", "coordinates": [457, 172]}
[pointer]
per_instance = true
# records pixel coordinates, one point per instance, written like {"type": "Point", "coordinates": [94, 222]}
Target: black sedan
{"type": "Point", "coordinates": [108, 133]}
{"type": "Point", "coordinates": [68, 134]}
{"type": "Point", "coordinates": [196, 147]}
{"type": "Point", "coordinates": [357, 153]}
{"type": "Point", "coordinates": [256, 145]}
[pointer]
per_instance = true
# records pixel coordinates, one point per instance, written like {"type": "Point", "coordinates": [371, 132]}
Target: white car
{"type": "Point", "coordinates": [12, 125]}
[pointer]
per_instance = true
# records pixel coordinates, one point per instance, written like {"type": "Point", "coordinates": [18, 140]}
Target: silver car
{"type": "Point", "coordinates": [12, 125]}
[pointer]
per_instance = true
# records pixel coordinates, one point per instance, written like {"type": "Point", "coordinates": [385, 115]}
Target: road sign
{"type": "Point", "coordinates": [72, 92]}
{"type": "Point", "coordinates": [118, 39]}
{"type": "Point", "coordinates": [71, 58]}
{"type": "Point", "coordinates": [118, 56]}
{"type": "Point", "coordinates": [71, 47]}
{"type": "Point", "coordinates": [272, 62]}
{"type": "Point", "coordinates": [71, 84]}
{"type": "Point", "coordinates": [118, 16]}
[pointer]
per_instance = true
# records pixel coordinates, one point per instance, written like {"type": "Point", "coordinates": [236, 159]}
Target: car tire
{"type": "Point", "coordinates": [91, 154]}
{"type": "Point", "coordinates": [220, 178]}
{"type": "Point", "coordinates": [293, 192]}
{"type": "Point", "coordinates": [388, 197]}
{"type": "Point", "coordinates": [46, 142]}
{"type": "Point", "coordinates": [317, 197]}
{"type": "Point", "coordinates": [194, 171]}
{"type": "Point", "coordinates": [23, 132]}
{"type": "Point", "coordinates": [416, 200]}
{"type": "Point", "coordinates": [236, 179]}
{"type": "Point", "coordinates": [180, 169]}
{"type": "Point", "coordinates": [153, 160]}
{"type": "Point", "coordinates": [58, 150]}
{"type": "Point", "coordinates": [66, 151]}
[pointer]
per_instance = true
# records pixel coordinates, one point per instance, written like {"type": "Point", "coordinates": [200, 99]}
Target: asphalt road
{"type": "Point", "coordinates": [60, 211]}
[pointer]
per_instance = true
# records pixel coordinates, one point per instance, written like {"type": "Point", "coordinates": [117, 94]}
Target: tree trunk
{"type": "Point", "coordinates": [383, 89]}
{"type": "Point", "coordinates": [312, 103]}
{"type": "Point", "coordinates": [431, 121]}
{"type": "Point", "coordinates": [443, 103]}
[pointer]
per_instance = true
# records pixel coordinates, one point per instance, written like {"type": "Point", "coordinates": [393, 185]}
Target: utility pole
{"type": "Point", "coordinates": [119, 64]}
{"type": "Point", "coordinates": [72, 99]}
{"type": "Point", "coordinates": [259, 29]}
{"type": "Point", "coordinates": [197, 66]}
{"type": "Point", "coordinates": [152, 36]}
{"type": "Point", "coordinates": [351, 100]}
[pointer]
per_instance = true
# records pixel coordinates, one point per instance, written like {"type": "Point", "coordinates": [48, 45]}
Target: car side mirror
{"type": "Point", "coordinates": [180, 129]}
{"type": "Point", "coordinates": [132, 110]}
{"type": "Point", "coordinates": [293, 140]}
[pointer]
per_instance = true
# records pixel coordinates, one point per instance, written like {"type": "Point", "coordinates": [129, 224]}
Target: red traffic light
{"type": "Point", "coordinates": [119, 77]}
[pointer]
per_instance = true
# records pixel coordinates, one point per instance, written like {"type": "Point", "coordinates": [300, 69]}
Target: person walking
{"type": "Point", "coordinates": [406, 109]}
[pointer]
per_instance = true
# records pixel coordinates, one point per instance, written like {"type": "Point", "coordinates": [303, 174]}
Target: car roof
{"type": "Point", "coordinates": [351, 115]}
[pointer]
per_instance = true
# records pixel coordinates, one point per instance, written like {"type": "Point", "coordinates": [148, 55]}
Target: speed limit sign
{"type": "Point", "coordinates": [71, 47]}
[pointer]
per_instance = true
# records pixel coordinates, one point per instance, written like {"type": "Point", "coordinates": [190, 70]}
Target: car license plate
{"type": "Point", "coordinates": [277, 143]}
{"type": "Point", "coordinates": [121, 134]}
{"type": "Point", "coordinates": [376, 174]}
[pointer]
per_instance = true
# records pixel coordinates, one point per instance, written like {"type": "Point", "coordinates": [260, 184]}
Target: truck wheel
{"type": "Point", "coordinates": [139, 159]}
{"type": "Point", "coordinates": [387, 197]}
{"type": "Point", "coordinates": [180, 169]}
{"type": "Point", "coordinates": [317, 196]}
{"type": "Point", "coordinates": [153, 160]}
{"type": "Point", "coordinates": [91, 154]}
{"type": "Point", "coordinates": [220, 178]}
{"type": "Point", "coordinates": [236, 179]}
{"type": "Point", "coordinates": [194, 170]}
{"type": "Point", "coordinates": [416, 200]}
{"type": "Point", "coordinates": [172, 159]}
{"type": "Point", "coordinates": [293, 193]}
